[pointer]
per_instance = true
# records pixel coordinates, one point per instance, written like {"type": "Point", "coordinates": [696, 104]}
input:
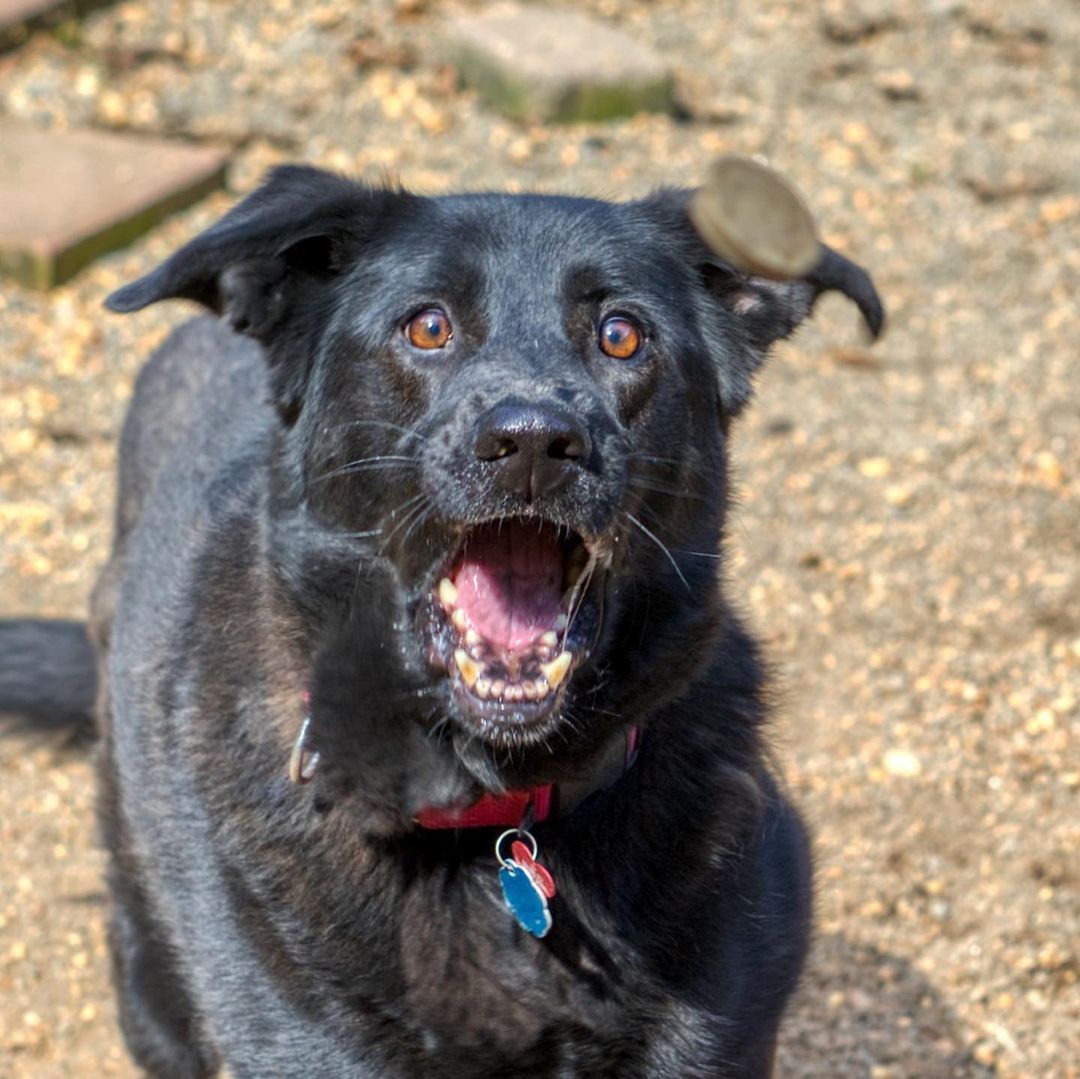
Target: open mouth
{"type": "Point", "coordinates": [517, 607]}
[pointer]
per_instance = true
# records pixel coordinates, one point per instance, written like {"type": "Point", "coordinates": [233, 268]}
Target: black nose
{"type": "Point", "coordinates": [533, 450]}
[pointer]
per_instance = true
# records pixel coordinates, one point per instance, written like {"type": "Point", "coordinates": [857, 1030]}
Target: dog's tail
{"type": "Point", "coordinates": [48, 675]}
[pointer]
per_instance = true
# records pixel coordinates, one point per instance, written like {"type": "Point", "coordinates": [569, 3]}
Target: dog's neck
{"type": "Point", "coordinates": [509, 809]}
{"type": "Point", "coordinates": [522, 808]}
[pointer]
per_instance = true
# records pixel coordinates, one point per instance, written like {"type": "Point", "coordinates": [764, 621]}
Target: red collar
{"type": "Point", "coordinates": [493, 810]}
{"type": "Point", "coordinates": [508, 810]}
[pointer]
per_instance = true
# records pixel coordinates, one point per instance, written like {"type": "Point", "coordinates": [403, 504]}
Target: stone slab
{"type": "Point", "coordinates": [536, 63]}
{"type": "Point", "coordinates": [19, 17]}
{"type": "Point", "coordinates": [17, 12]}
{"type": "Point", "coordinates": [66, 198]}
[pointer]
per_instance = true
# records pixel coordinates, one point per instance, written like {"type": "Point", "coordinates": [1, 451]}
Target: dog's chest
{"type": "Point", "coordinates": [451, 976]}
{"type": "Point", "coordinates": [473, 980]}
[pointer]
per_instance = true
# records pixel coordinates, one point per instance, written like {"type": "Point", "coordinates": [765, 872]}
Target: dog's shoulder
{"type": "Point", "coordinates": [203, 391]}
{"type": "Point", "coordinates": [194, 448]}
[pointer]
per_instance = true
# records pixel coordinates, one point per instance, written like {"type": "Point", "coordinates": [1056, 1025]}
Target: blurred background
{"type": "Point", "coordinates": [907, 530]}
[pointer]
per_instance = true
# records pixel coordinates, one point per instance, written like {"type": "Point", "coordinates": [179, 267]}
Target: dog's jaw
{"type": "Point", "coordinates": [512, 615]}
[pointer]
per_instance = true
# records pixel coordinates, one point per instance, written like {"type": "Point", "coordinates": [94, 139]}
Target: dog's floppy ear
{"type": "Point", "coordinates": [268, 266]}
{"type": "Point", "coordinates": [760, 309]}
{"type": "Point", "coordinates": [770, 309]}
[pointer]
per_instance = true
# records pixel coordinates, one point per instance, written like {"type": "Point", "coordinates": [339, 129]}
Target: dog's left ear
{"type": "Point", "coordinates": [770, 310]}
{"type": "Point", "coordinates": [268, 267]}
{"type": "Point", "coordinates": [761, 310]}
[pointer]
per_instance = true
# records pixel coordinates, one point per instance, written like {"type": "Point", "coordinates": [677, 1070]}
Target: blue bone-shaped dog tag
{"type": "Point", "coordinates": [524, 899]}
{"type": "Point", "coordinates": [526, 884]}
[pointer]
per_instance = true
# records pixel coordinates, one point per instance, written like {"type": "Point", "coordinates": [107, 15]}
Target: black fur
{"type": "Point", "coordinates": [47, 674]}
{"type": "Point", "coordinates": [262, 551]}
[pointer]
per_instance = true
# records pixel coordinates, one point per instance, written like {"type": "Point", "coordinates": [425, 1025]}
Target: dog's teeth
{"type": "Point", "coordinates": [542, 688]}
{"type": "Point", "coordinates": [560, 623]}
{"type": "Point", "coordinates": [514, 693]}
{"type": "Point", "coordinates": [447, 593]}
{"type": "Point", "coordinates": [528, 687]}
{"type": "Point", "coordinates": [470, 669]}
{"type": "Point", "coordinates": [460, 620]}
{"type": "Point", "coordinates": [549, 639]}
{"type": "Point", "coordinates": [482, 687]}
{"type": "Point", "coordinates": [498, 687]}
{"type": "Point", "coordinates": [472, 637]}
{"type": "Point", "coordinates": [555, 671]}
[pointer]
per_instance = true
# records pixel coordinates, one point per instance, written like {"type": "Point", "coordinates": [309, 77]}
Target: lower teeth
{"type": "Point", "coordinates": [552, 668]}
{"type": "Point", "coordinates": [551, 676]}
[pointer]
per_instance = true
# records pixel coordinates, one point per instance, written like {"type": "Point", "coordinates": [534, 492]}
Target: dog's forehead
{"type": "Point", "coordinates": [530, 239]}
{"type": "Point", "coordinates": [537, 222]}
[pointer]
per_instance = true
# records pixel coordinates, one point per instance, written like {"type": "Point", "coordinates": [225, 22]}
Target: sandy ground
{"type": "Point", "coordinates": [908, 529]}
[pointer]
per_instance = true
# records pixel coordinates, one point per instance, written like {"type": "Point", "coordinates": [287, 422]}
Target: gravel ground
{"type": "Point", "coordinates": [907, 535]}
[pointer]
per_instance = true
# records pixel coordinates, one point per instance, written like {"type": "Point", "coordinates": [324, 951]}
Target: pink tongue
{"type": "Point", "coordinates": [509, 582]}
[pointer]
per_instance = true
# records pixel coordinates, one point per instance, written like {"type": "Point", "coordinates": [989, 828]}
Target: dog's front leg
{"type": "Point", "coordinates": [374, 722]}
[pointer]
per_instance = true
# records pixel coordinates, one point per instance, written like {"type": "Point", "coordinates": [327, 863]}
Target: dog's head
{"type": "Point", "coordinates": [521, 405]}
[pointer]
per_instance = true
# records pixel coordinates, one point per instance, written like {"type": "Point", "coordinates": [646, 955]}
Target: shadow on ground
{"type": "Point", "coordinates": [862, 1012]}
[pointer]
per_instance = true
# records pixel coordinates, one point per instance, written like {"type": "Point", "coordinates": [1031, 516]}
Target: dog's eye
{"type": "Point", "coordinates": [619, 338]}
{"type": "Point", "coordinates": [429, 329]}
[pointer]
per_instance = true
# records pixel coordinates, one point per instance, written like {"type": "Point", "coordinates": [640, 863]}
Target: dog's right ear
{"type": "Point", "coordinates": [268, 266]}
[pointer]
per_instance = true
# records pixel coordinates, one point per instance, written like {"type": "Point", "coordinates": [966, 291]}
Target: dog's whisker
{"type": "Point", "coordinates": [663, 547]}
{"type": "Point", "coordinates": [670, 464]}
{"type": "Point", "coordinates": [652, 514]}
{"type": "Point", "coordinates": [645, 484]}
{"type": "Point", "coordinates": [418, 522]}
{"type": "Point", "coordinates": [402, 513]}
{"type": "Point", "coordinates": [418, 505]}
{"type": "Point", "coordinates": [407, 432]}
{"type": "Point", "coordinates": [360, 535]}
{"type": "Point", "coordinates": [382, 462]}
{"type": "Point", "coordinates": [577, 596]}
{"type": "Point", "coordinates": [440, 725]}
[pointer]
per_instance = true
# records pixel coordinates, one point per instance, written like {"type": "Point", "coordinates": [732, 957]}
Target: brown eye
{"type": "Point", "coordinates": [429, 329]}
{"type": "Point", "coordinates": [619, 338]}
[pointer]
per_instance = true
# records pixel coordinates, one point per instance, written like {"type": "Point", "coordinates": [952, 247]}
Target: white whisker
{"type": "Point", "coordinates": [667, 554]}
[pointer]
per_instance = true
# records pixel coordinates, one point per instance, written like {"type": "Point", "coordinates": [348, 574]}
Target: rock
{"type": "Point", "coordinates": [999, 173]}
{"type": "Point", "coordinates": [67, 198]}
{"type": "Point", "coordinates": [902, 763]}
{"type": "Point", "coordinates": [18, 17]}
{"type": "Point", "coordinates": [536, 64]}
{"type": "Point", "coordinates": [848, 22]}
{"type": "Point", "coordinates": [898, 85]}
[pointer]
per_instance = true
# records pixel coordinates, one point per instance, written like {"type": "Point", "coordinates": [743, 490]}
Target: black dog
{"type": "Point", "coordinates": [422, 549]}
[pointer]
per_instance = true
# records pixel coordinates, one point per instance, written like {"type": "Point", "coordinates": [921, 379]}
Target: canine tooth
{"type": "Point", "coordinates": [514, 693]}
{"type": "Point", "coordinates": [447, 592]}
{"type": "Point", "coordinates": [460, 620]}
{"type": "Point", "coordinates": [498, 687]}
{"type": "Point", "coordinates": [550, 639]}
{"type": "Point", "coordinates": [472, 637]}
{"type": "Point", "coordinates": [555, 671]}
{"type": "Point", "coordinates": [560, 623]}
{"type": "Point", "coordinates": [470, 669]}
{"type": "Point", "coordinates": [482, 687]}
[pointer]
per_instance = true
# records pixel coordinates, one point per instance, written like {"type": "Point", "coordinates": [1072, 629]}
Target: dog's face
{"type": "Point", "coordinates": [520, 403]}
